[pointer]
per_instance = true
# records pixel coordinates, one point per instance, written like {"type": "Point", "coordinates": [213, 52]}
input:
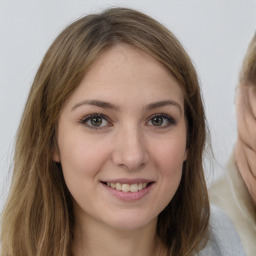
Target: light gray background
{"type": "Point", "coordinates": [214, 32]}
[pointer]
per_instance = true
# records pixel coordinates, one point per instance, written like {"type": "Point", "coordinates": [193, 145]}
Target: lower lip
{"type": "Point", "coordinates": [129, 196]}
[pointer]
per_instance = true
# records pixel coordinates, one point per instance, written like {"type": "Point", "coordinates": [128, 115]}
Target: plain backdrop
{"type": "Point", "coordinates": [215, 33]}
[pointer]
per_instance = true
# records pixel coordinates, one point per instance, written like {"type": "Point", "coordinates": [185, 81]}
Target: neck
{"type": "Point", "coordinates": [94, 239]}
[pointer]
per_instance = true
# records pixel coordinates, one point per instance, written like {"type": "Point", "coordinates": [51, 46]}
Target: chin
{"type": "Point", "coordinates": [130, 222]}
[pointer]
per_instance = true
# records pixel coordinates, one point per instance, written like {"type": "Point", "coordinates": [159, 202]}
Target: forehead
{"type": "Point", "coordinates": [126, 70]}
{"type": "Point", "coordinates": [121, 54]}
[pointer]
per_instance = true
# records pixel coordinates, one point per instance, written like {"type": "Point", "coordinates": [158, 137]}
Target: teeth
{"type": "Point", "coordinates": [127, 187]}
{"type": "Point", "coordinates": [118, 186]}
{"type": "Point", "coordinates": [134, 188]}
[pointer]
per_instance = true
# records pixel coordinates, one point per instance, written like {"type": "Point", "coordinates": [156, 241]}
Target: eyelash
{"type": "Point", "coordinates": [170, 121]}
{"type": "Point", "coordinates": [85, 119]}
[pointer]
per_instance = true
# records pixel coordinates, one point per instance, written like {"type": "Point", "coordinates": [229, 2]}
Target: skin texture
{"type": "Point", "coordinates": [128, 144]}
{"type": "Point", "coordinates": [246, 143]}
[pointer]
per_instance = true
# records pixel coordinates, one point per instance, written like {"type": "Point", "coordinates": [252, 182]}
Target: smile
{"type": "Point", "coordinates": [129, 190]}
{"type": "Point", "coordinates": [128, 187]}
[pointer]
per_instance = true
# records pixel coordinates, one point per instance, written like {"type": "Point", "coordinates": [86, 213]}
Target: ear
{"type": "Point", "coordinates": [56, 156]}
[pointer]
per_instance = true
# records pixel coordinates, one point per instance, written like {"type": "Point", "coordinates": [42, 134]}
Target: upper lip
{"type": "Point", "coordinates": [128, 181]}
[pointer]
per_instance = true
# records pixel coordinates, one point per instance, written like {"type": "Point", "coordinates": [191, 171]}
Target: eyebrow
{"type": "Point", "coordinates": [164, 103]}
{"type": "Point", "coordinates": [107, 105]}
{"type": "Point", "coordinates": [97, 103]}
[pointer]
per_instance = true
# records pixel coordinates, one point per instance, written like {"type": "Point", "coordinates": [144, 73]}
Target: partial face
{"type": "Point", "coordinates": [122, 140]}
{"type": "Point", "coordinates": [246, 121]}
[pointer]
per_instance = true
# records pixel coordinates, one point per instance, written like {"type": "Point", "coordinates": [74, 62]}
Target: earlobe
{"type": "Point", "coordinates": [56, 154]}
{"type": "Point", "coordinates": [56, 151]}
{"type": "Point", "coordinates": [56, 157]}
{"type": "Point", "coordinates": [185, 155]}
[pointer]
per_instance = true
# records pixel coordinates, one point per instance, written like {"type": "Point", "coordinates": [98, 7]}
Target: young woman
{"type": "Point", "coordinates": [108, 157]}
{"type": "Point", "coordinates": [235, 192]}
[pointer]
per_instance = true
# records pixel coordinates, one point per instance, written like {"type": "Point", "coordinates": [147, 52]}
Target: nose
{"type": "Point", "coordinates": [130, 150]}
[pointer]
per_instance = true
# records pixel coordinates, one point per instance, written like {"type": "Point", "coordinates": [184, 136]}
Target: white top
{"type": "Point", "coordinates": [230, 194]}
{"type": "Point", "coordinates": [223, 240]}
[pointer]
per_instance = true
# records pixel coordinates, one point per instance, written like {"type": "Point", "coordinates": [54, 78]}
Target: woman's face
{"type": "Point", "coordinates": [246, 123]}
{"type": "Point", "coordinates": [122, 140]}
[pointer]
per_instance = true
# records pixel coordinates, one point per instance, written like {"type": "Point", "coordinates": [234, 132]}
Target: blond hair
{"type": "Point", "coordinates": [248, 70]}
{"type": "Point", "coordinates": [38, 217]}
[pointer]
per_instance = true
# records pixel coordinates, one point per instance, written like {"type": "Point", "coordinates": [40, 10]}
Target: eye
{"type": "Point", "coordinates": [95, 121]}
{"type": "Point", "coordinates": [161, 121]}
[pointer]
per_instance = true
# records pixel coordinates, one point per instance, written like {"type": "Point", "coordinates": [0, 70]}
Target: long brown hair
{"type": "Point", "coordinates": [38, 217]}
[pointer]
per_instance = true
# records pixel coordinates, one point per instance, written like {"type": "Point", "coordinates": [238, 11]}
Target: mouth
{"type": "Point", "coordinates": [124, 187]}
{"type": "Point", "coordinates": [129, 190]}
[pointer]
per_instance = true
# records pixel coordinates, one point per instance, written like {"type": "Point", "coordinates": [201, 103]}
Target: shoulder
{"type": "Point", "coordinates": [230, 194]}
{"type": "Point", "coordinates": [223, 238]}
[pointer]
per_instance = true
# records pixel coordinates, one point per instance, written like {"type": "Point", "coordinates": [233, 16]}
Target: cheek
{"type": "Point", "coordinates": [171, 154]}
{"type": "Point", "coordinates": [81, 157]}
{"type": "Point", "coordinates": [169, 159]}
{"type": "Point", "coordinates": [171, 169]}
{"type": "Point", "coordinates": [81, 162]}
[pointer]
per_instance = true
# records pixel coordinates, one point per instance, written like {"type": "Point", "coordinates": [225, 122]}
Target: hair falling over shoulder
{"type": "Point", "coordinates": [38, 217]}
